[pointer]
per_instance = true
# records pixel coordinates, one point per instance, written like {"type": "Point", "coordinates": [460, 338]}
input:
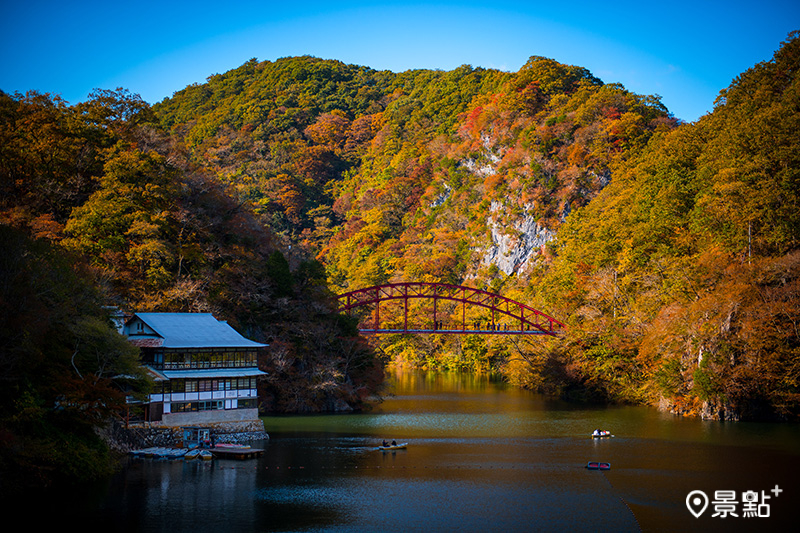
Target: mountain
{"type": "Point", "coordinates": [654, 240]}
{"type": "Point", "coordinates": [669, 249]}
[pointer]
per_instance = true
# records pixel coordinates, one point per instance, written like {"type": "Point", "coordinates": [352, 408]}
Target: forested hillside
{"type": "Point", "coordinates": [422, 175]}
{"type": "Point", "coordinates": [100, 209]}
{"type": "Point", "coordinates": [681, 277]}
{"type": "Point", "coordinates": [670, 250]}
{"type": "Point", "coordinates": [667, 248]}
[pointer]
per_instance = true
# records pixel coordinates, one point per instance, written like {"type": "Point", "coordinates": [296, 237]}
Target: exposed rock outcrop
{"type": "Point", "coordinates": [514, 245]}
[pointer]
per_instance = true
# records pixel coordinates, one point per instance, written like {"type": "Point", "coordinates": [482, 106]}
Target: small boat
{"type": "Point", "coordinates": [206, 455]}
{"type": "Point", "coordinates": [141, 452]}
{"type": "Point", "coordinates": [393, 447]}
{"type": "Point", "coordinates": [595, 465]}
{"type": "Point", "coordinates": [153, 452]}
{"type": "Point", "coordinates": [170, 453]}
{"type": "Point", "coordinates": [194, 453]}
{"type": "Point", "coordinates": [601, 434]}
{"type": "Point", "coordinates": [157, 452]}
{"type": "Point", "coordinates": [162, 452]}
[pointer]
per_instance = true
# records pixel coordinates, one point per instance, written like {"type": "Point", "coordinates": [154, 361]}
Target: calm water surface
{"type": "Point", "coordinates": [481, 457]}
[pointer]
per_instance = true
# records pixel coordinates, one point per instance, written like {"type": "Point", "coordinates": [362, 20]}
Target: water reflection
{"type": "Point", "coordinates": [482, 457]}
{"type": "Point", "coordinates": [526, 454]}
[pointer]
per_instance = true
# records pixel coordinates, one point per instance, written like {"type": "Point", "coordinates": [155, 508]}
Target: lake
{"type": "Point", "coordinates": [481, 456]}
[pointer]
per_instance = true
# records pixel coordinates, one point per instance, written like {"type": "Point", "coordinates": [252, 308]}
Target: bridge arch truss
{"type": "Point", "coordinates": [506, 316]}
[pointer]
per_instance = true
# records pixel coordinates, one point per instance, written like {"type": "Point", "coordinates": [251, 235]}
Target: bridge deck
{"type": "Point", "coordinates": [372, 331]}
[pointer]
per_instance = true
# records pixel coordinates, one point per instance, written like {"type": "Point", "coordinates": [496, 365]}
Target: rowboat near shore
{"type": "Point", "coordinates": [194, 453]}
{"type": "Point", "coordinates": [223, 451]}
{"type": "Point", "coordinates": [157, 452]}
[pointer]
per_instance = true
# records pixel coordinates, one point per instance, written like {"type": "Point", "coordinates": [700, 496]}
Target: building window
{"type": "Point", "coordinates": [205, 385]}
{"type": "Point", "coordinates": [204, 359]}
{"type": "Point", "coordinates": [187, 407]}
{"type": "Point", "coordinates": [180, 407]}
{"type": "Point", "coordinates": [208, 385]}
{"type": "Point", "coordinates": [209, 406]}
{"type": "Point", "coordinates": [250, 403]}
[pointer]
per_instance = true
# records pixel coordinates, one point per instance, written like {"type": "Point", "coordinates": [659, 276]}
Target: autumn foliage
{"type": "Point", "coordinates": [418, 176]}
{"type": "Point", "coordinates": [669, 249]}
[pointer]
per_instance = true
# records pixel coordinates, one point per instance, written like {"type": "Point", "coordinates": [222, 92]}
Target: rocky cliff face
{"type": "Point", "coordinates": [515, 242]}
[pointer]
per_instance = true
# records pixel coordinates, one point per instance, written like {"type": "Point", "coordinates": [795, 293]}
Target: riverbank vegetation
{"type": "Point", "coordinates": [62, 367]}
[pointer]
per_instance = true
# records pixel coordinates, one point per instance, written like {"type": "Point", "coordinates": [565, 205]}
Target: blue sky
{"type": "Point", "coordinates": [684, 51]}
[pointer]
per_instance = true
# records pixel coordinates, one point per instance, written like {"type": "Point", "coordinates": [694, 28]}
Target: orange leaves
{"type": "Point", "coordinates": [316, 164]}
{"type": "Point", "coordinates": [291, 199]}
{"type": "Point", "coordinates": [529, 99]}
{"type": "Point", "coordinates": [493, 183]}
{"type": "Point", "coordinates": [362, 130]}
{"type": "Point", "coordinates": [329, 129]}
{"type": "Point", "coordinates": [577, 155]}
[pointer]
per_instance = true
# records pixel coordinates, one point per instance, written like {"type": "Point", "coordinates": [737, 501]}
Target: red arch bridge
{"type": "Point", "coordinates": [416, 307]}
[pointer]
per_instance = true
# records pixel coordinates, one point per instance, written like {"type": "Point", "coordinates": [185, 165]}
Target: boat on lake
{"type": "Point", "coordinates": [175, 453]}
{"type": "Point", "coordinates": [391, 447]}
{"type": "Point", "coordinates": [142, 452]}
{"type": "Point", "coordinates": [599, 434]}
{"type": "Point", "coordinates": [194, 453]}
{"type": "Point", "coordinates": [595, 465]}
{"type": "Point", "coordinates": [236, 452]}
{"type": "Point", "coordinates": [159, 452]}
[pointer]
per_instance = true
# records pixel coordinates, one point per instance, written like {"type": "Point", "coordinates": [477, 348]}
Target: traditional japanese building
{"type": "Point", "coordinates": [205, 372]}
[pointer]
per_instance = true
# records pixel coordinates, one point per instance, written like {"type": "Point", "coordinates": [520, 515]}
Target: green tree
{"type": "Point", "coordinates": [125, 224]}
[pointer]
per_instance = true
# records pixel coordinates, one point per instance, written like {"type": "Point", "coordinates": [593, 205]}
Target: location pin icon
{"type": "Point", "coordinates": [697, 501]}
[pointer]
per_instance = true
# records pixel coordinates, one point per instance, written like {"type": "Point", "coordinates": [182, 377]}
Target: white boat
{"type": "Point", "coordinates": [176, 453]}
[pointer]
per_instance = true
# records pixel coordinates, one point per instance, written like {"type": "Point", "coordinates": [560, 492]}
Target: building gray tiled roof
{"type": "Point", "coordinates": [193, 330]}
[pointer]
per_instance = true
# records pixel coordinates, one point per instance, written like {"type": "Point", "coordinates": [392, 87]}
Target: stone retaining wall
{"type": "Point", "coordinates": [135, 437]}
